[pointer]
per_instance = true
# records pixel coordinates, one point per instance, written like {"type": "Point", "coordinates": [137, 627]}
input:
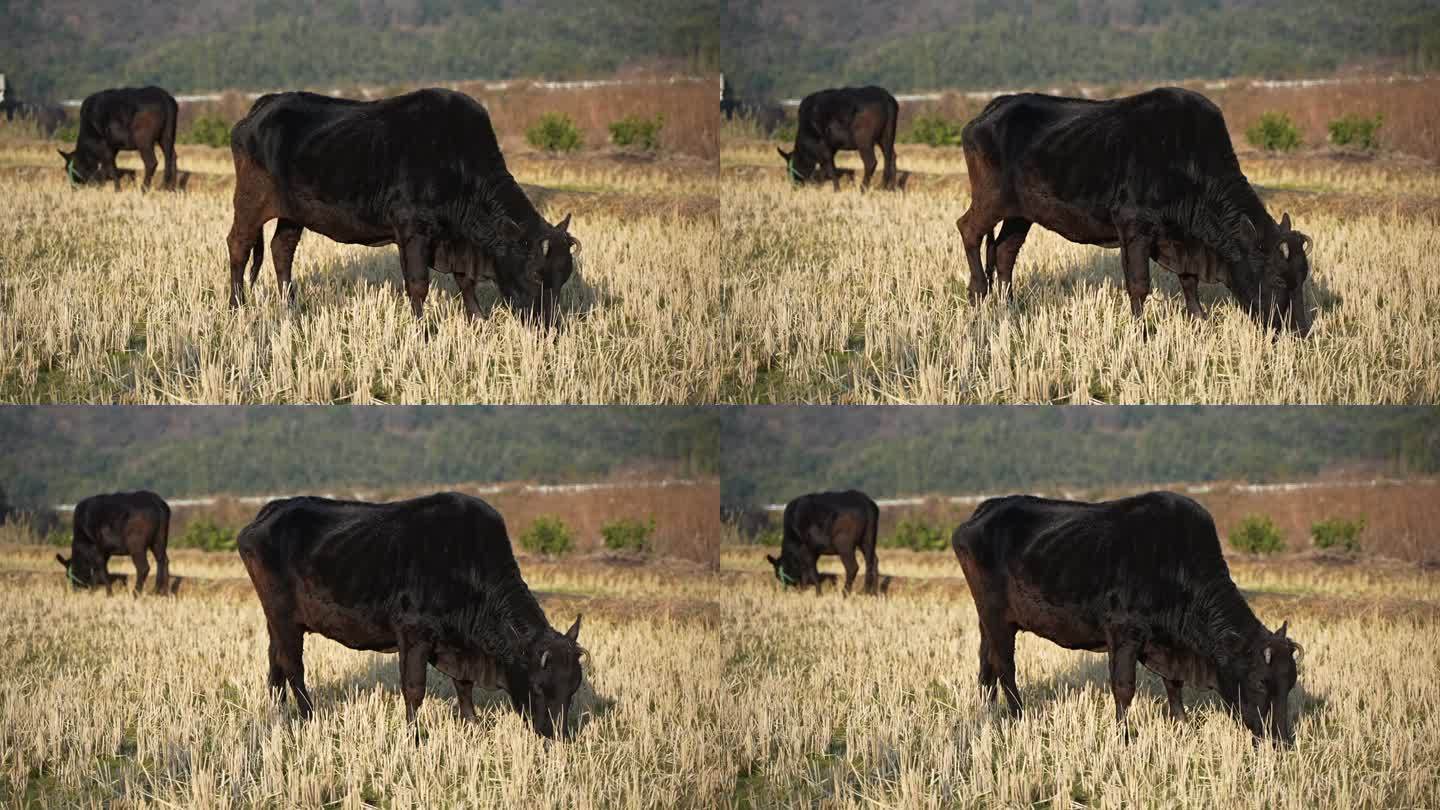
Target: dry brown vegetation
{"type": "Point", "coordinates": [183, 718]}
{"type": "Point", "coordinates": [109, 297]}
{"type": "Point", "coordinates": [861, 298]}
{"type": "Point", "coordinates": [865, 702]}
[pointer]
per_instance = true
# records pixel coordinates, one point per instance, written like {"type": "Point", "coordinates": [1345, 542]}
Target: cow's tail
{"type": "Point", "coordinates": [167, 143]}
{"type": "Point", "coordinates": [990, 250]}
{"type": "Point", "coordinates": [887, 142]}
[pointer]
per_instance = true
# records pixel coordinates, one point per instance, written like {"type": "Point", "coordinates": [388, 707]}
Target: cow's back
{"type": "Point", "coordinates": [438, 549]}
{"type": "Point", "coordinates": [427, 147]}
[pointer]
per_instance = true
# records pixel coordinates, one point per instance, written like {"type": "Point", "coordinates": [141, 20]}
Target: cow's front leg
{"type": "Point", "coordinates": [417, 253]}
{"type": "Point", "coordinates": [414, 657]}
{"type": "Point", "coordinates": [1191, 287]}
{"type": "Point", "coordinates": [1173, 691]}
{"type": "Point", "coordinates": [1135, 246]}
{"type": "Point", "coordinates": [1123, 653]}
{"type": "Point", "coordinates": [465, 696]}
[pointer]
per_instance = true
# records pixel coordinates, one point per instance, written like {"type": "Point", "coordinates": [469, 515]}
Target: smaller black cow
{"type": "Point", "coordinates": [119, 523]}
{"type": "Point", "coordinates": [1141, 578]}
{"type": "Point", "coordinates": [422, 171]}
{"type": "Point", "coordinates": [135, 118]}
{"type": "Point", "coordinates": [856, 118]}
{"type": "Point", "coordinates": [432, 578]}
{"type": "Point", "coordinates": [828, 523]}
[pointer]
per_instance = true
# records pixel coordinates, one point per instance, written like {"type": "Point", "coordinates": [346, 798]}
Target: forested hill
{"type": "Point", "coordinates": [68, 48]}
{"type": "Point", "coordinates": [790, 47]}
{"type": "Point", "coordinates": [50, 455]}
{"type": "Point", "coordinates": [770, 455]}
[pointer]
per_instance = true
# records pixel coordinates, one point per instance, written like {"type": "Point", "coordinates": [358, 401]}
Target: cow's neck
{"type": "Point", "coordinates": [1221, 624]}
{"type": "Point", "coordinates": [510, 200]}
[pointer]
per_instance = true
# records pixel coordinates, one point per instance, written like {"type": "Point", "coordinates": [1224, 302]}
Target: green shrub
{"type": "Point", "coordinates": [935, 130]}
{"type": "Point", "coordinates": [209, 130]}
{"type": "Point", "coordinates": [547, 535]}
{"type": "Point", "coordinates": [1338, 533]}
{"type": "Point", "coordinates": [1257, 534]}
{"type": "Point", "coordinates": [555, 132]}
{"type": "Point", "coordinates": [67, 132]}
{"type": "Point", "coordinates": [634, 131]}
{"type": "Point", "coordinates": [1274, 132]}
{"type": "Point", "coordinates": [918, 536]}
{"type": "Point", "coordinates": [626, 534]}
{"type": "Point", "coordinates": [206, 534]}
{"type": "Point", "coordinates": [1356, 130]}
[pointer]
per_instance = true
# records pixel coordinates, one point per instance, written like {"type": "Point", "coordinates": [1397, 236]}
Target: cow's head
{"type": "Point", "coordinates": [82, 166]}
{"type": "Point", "coordinates": [1264, 690]}
{"type": "Point", "coordinates": [1284, 267]}
{"type": "Point", "coordinates": [801, 166]}
{"type": "Point", "coordinates": [554, 676]}
{"type": "Point", "coordinates": [85, 570]}
{"type": "Point", "coordinates": [787, 570]}
{"type": "Point", "coordinates": [531, 277]}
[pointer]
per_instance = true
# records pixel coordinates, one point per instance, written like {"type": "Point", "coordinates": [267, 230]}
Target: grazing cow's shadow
{"type": "Point", "coordinates": [1094, 670]}
{"type": "Point", "coordinates": [379, 268]}
{"type": "Point", "coordinates": [1102, 269]}
{"type": "Point", "coordinates": [382, 671]}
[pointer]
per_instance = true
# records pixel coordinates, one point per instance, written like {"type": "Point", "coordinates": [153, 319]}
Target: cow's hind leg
{"type": "Point", "coordinates": [142, 570]}
{"type": "Point", "coordinates": [851, 569]}
{"type": "Point", "coordinates": [1190, 285]}
{"type": "Point", "coordinates": [989, 673]}
{"type": "Point", "coordinates": [162, 578]}
{"type": "Point", "coordinates": [1006, 248]}
{"type": "Point", "coordinates": [872, 570]}
{"type": "Point", "coordinates": [147, 157]}
{"type": "Point", "coordinates": [867, 157]}
{"type": "Point", "coordinates": [287, 653]}
{"type": "Point", "coordinates": [974, 225]}
{"type": "Point", "coordinates": [1002, 648]}
{"type": "Point", "coordinates": [282, 250]}
{"type": "Point", "coordinates": [276, 679]}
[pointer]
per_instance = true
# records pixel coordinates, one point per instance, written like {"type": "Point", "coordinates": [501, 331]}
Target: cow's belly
{"type": "Point", "coordinates": [355, 628]}
{"type": "Point", "coordinates": [1076, 223]}
{"type": "Point", "coordinates": [337, 222]}
{"type": "Point", "coordinates": [1062, 624]}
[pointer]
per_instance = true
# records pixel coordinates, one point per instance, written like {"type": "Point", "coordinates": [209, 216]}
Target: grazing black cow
{"type": "Point", "coordinates": [135, 118]}
{"type": "Point", "coordinates": [858, 118]}
{"type": "Point", "coordinates": [828, 523]}
{"type": "Point", "coordinates": [1142, 578]}
{"type": "Point", "coordinates": [1153, 174]}
{"type": "Point", "coordinates": [119, 523]}
{"type": "Point", "coordinates": [433, 578]}
{"type": "Point", "coordinates": [422, 171]}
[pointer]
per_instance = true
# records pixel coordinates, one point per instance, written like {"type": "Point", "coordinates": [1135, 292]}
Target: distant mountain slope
{"type": "Point", "coordinates": [49, 454]}
{"type": "Point", "coordinates": [790, 47]}
{"type": "Point", "coordinates": [770, 455]}
{"type": "Point", "coordinates": [68, 48]}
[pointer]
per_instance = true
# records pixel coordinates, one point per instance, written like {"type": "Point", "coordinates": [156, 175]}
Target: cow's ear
{"type": "Point", "coordinates": [1247, 230]}
{"type": "Point", "coordinates": [783, 154]}
{"type": "Point", "coordinates": [1284, 627]}
{"type": "Point", "coordinates": [574, 632]}
{"type": "Point", "coordinates": [1285, 223]}
{"type": "Point", "coordinates": [772, 560]}
{"type": "Point", "coordinates": [563, 226]}
{"type": "Point", "coordinates": [62, 561]}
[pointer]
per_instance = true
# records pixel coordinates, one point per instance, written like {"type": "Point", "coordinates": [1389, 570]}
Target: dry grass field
{"type": "Point", "coordinates": [865, 702]}
{"type": "Point", "coordinates": [121, 298]}
{"type": "Point", "coordinates": [156, 702]}
{"type": "Point", "coordinates": [861, 298]}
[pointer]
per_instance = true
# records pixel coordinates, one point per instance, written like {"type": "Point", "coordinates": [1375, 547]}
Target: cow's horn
{"type": "Point", "coordinates": [545, 656]}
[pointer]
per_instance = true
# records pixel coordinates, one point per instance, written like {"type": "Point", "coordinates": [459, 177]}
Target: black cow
{"type": "Point", "coordinates": [858, 118]}
{"type": "Point", "coordinates": [135, 118]}
{"type": "Point", "coordinates": [422, 171]}
{"type": "Point", "coordinates": [828, 523]}
{"type": "Point", "coordinates": [1142, 578]}
{"type": "Point", "coordinates": [1153, 174]}
{"type": "Point", "coordinates": [119, 523]}
{"type": "Point", "coordinates": [433, 578]}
